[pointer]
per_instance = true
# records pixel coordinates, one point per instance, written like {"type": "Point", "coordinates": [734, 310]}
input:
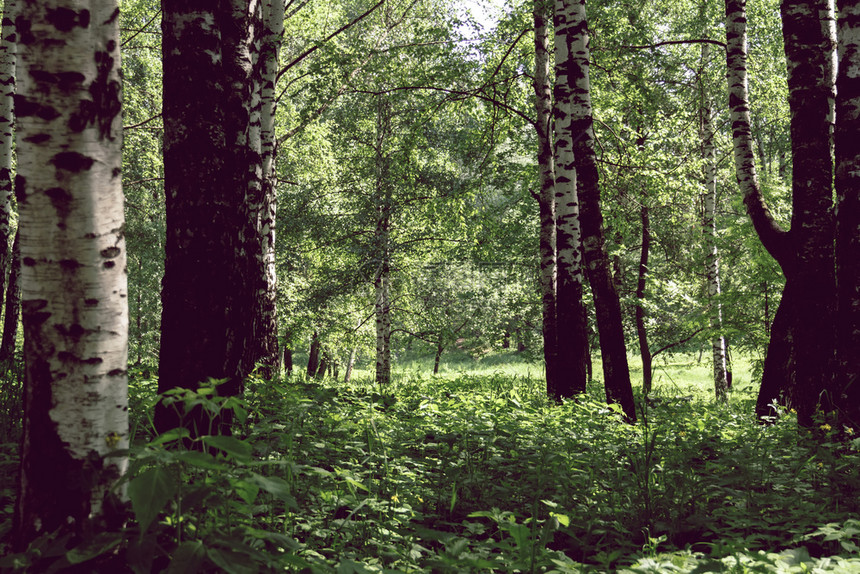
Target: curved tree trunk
{"type": "Point", "coordinates": [573, 53]}
{"type": "Point", "coordinates": [805, 254]}
{"type": "Point", "coordinates": [571, 332]}
{"type": "Point", "coordinates": [73, 276]}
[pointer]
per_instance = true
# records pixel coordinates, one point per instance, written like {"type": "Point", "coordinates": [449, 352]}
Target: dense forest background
{"type": "Point", "coordinates": [368, 332]}
{"type": "Point", "coordinates": [462, 173]}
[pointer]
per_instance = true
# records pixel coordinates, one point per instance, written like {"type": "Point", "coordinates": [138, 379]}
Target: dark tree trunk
{"type": "Point", "coordinates": [13, 306]}
{"type": "Point", "coordinates": [779, 376]}
{"type": "Point", "coordinates": [287, 360]}
{"type": "Point", "coordinates": [438, 358]}
{"type": "Point", "coordinates": [847, 392]}
{"type": "Point", "coordinates": [799, 362]}
{"type": "Point", "coordinates": [641, 331]}
{"type": "Point", "coordinates": [212, 189]}
{"type": "Point", "coordinates": [606, 302]}
{"type": "Point", "coordinates": [809, 39]}
{"type": "Point", "coordinates": [323, 366]}
{"type": "Point", "coordinates": [314, 356]}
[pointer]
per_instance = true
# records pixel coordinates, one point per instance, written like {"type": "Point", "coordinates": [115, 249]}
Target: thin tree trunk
{"type": "Point", "coordinates": [8, 40]}
{"type": "Point", "coordinates": [438, 358]}
{"type": "Point", "coordinates": [572, 49]}
{"type": "Point", "coordinates": [324, 364]}
{"type": "Point", "coordinates": [709, 225]}
{"type": "Point", "coordinates": [570, 316]}
{"type": "Point", "coordinates": [13, 305]}
{"type": "Point", "coordinates": [546, 198]}
{"type": "Point", "coordinates": [382, 283]}
{"type": "Point", "coordinates": [641, 331]}
{"type": "Point", "coordinates": [314, 356]}
{"type": "Point", "coordinates": [848, 213]}
{"type": "Point", "coordinates": [73, 275]}
{"type": "Point", "coordinates": [266, 315]}
{"type": "Point", "coordinates": [350, 365]}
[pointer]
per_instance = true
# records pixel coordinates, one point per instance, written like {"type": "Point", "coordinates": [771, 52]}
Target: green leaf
{"type": "Point", "coordinates": [233, 447]}
{"type": "Point", "coordinates": [200, 460]}
{"type": "Point", "coordinates": [149, 492]}
{"type": "Point", "coordinates": [230, 561]}
{"type": "Point", "coordinates": [245, 489]}
{"type": "Point", "coordinates": [170, 436]}
{"type": "Point", "coordinates": [187, 558]}
{"type": "Point", "coordinates": [563, 519]}
{"type": "Point", "coordinates": [277, 487]}
{"type": "Point", "coordinates": [99, 545]}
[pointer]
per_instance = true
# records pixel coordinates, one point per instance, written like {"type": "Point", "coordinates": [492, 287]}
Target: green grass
{"type": "Point", "coordinates": [476, 472]}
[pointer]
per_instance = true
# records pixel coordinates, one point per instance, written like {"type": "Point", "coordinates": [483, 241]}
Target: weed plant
{"type": "Point", "coordinates": [476, 473]}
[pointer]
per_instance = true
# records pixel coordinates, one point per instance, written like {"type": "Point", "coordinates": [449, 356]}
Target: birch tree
{"type": "Point", "coordinates": [212, 167]}
{"type": "Point", "coordinates": [267, 345]}
{"type": "Point", "coordinates": [798, 365]}
{"type": "Point", "coordinates": [546, 196]}
{"type": "Point", "coordinates": [709, 228]}
{"type": "Point", "coordinates": [73, 276]}
{"type": "Point", "coordinates": [848, 210]}
{"type": "Point", "coordinates": [8, 40]}
{"type": "Point", "coordinates": [573, 57]}
{"type": "Point", "coordinates": [571, 336]}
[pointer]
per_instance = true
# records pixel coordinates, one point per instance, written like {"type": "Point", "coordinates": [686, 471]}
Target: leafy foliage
{"type": "Point", "coordinates": [479, 473]}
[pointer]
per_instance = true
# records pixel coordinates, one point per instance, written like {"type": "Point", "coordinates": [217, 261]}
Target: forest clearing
{"type": "Point", "coordinates": [474, 470]}
{"type": "Point", "coordinates": [429, 286]}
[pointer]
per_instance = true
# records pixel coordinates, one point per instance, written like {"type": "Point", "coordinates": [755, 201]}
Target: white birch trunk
{"type": "Point", "coordinates": [8, 50]}
{"type": "Point", "coordinates": [712, 272]}
{"type": "Point", "coordinates": [73, 272]}
{"type": "Point", "coordinates": [273, 21]}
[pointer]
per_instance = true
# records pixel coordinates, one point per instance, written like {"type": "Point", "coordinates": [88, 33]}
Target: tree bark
{"type": "Point", "coordinates": [806, 255]}
{"type": "Point", "coordinates": [382, 237]}
{"type": "Point", "coordinates": [73, 274]}
{"type": "Point", "coordinates": [266, 316]}
{"type": "Point", "coordinates": [8, 49]}
{"type": "Point", "coordinates": [13, 305]}
{"type": "Point", "coordinates": [546, 199]}
{"type": "Point", "coordinates": [571, 335]}
{"type": "Point", "coordinates": [809, 37]}
{"type": "Point", "coordinates": [572, 50]}
{"type": "Point", "coordinates": [350, 365]}
{"type": "Point", "coordinates": [314, 356]}
{"type": "Point", "coordinates": [712, 261]}
{"type": "Point", "coordinates": [847, 394]}
{"type": "Point", "coordinates": [438, 358]}
{"type": "Point", "coordinates": [212, 170]}
{"type": "Point", "coordinates": [641, 331]}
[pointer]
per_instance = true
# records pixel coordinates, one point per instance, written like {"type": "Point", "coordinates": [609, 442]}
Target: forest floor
{"type": "Point", "coordinates": [474, 471]}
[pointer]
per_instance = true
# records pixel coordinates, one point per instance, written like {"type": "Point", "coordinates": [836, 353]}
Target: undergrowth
{"type": "Point", "coordinates": [475, 473]}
